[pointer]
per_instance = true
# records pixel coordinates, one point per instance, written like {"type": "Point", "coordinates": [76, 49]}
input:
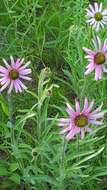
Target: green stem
{"type": "Point", "coordinates": [78, 147]}
{"type": "Point", "coordinates": [62, 158]}
{"type": "Point", "coordinates": [11, 118]}
{"type": "Point", "coordinates": [83, 89]}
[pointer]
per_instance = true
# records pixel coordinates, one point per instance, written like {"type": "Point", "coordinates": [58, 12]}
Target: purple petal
{"type": "Point", "coordinates": [64, 122]}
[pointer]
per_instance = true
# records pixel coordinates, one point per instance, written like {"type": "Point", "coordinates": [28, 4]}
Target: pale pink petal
{"type": "Point", "coordinates": [100, 7]}
{"type": "Point", "coordinates": [77, 106]}
{"type": "Point", "coordinates": [97, 43]}
{"type": "Point", "coordinates": [90, 52]}
{"type": "Point", "coordinates": [96, 122]}
{"type": "Point", "coordinates": [70, 110]}
{"type": "Point", "coordinates": [64, 122]}
{"type": "Point", "coordinates": [25, 71]}
{"type": "Point", "coordinates": [85, 105]}
{"type": "Point", "coordinates": [89, 13]}
{"type": "Point", "coordinates": [3, 70]}
{"type": "Point", "coordinates": [96, 7]}
{"type": "Point", "coordinates": [96, 116]}
{"type": "Point", "coordinates": [98, 27]}
{"type": "Point", "coordinates": [98, 109]}
{"type": "Point", "coordinates": [104, 48]}
{"type": "Point", "coordinates": [104, 12]}
{"type": "Point", "coordinates": [4, 80]}
{"type": "Point", "coordinates": [22, 85]}
{"type": "Point", "coordinates": [91, 67]}
{"type": "Point", "coordinates": [23, 67]}
{"type": "Point", "coordinates": [65, 130]}
{"type": "Point", "coordinates": [70, 135]}
{"type": "Point", "coordinates": [12, 61]}
{"type": "Point", "coordinates": [17, 86]}
{"type": "Point", "coordinates": [88, 129]}
{"type": "Point", "coordinates": [92, 8]}
{"type": "Point", "coordinates": [19, 63]}
{"type": "Point", "coordinates": [98, 72]}
{"type": "Point", "coordinates": [6, 63]}
{"type": "Point", "coordinates": [25, 78]}
{"type": "Point", "coordinates": [11, 87]}
{"type": "Point", "coordinates": [90, 107]}
{"type": "Point", "coordinates": [4, 86]}
{"type": "Point", "coordinates": [91, 20]}
{"type": "Point", "coordinates": [82, 133]}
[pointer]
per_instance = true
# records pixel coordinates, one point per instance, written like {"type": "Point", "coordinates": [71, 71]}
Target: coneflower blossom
{"type": "Point", "coordinates": [79, 121]}
{"type": "Point", "coordinates": [13, 74]}
{"type": "Point", "coordinates": [97, 16]}
{"type": "Point", "coordinates": [97, 58]}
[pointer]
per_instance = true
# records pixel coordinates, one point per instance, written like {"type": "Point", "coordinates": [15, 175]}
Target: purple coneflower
{"type": "Point", "coordinates": [79, 121]}
{"type": "Point", "coordinates": [13, 74]}
{"type": "Point", "coordinates": [97, 16]}
{"type": "Point", "coordinates": [97, 58]}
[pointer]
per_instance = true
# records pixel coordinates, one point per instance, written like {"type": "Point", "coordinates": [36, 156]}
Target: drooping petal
{"type": "Point", "coordinates": [82, 133]}
{"type": "Point", "coordinates": [70, 135]}
{"type": "Point", "coordinates": [21, 84]}
{"type": "Point", "coordinates": [11, 87]}
{"type": "Point", "coordinates": [4, 86]}
{"type": "Point", "coordinates": [65, 130]}
{"type": "Point", "coordinates": [90, 69]}
{"type": "Point", "coordinates": [88, 129]}
{"type": "Point", "coordinates": [98, 72]}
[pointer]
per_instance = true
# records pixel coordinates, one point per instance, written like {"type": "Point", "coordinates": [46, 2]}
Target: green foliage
{"type": "Point", "coordinates": [33, 155]}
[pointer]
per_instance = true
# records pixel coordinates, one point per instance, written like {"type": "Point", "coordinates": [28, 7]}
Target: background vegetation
{"type": "Point", "coordinates": [33, 156]}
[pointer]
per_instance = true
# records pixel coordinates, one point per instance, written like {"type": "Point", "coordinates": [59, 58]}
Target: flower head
{"type": "Point", "coordinates": [97, 58]}
{"type": "Point", "coordinates": [13, 74]}
{"type": "Point", "coordinates": [79, 121]}
{"type": "Point", "coordinates": [97, 16]}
